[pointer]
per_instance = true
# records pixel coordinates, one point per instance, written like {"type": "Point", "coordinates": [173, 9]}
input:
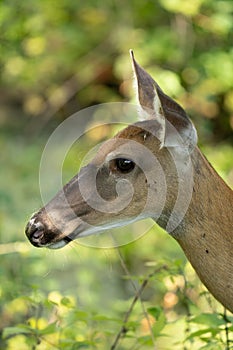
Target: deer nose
{"type": "Point", "coordinates": [35, 232]}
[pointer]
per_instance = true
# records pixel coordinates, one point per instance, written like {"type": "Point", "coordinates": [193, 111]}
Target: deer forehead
{"type": "Point", "coordinates": [124, 145]}
{"type": "Point", "coordinates": [115, 145]}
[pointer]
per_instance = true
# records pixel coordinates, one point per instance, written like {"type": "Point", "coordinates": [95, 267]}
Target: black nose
{"type": "Point", "coordinates": [35, 232]}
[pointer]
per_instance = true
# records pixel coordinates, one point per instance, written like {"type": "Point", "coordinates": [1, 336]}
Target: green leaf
{"type": "Point", "coordinates": [211, 320]}
{"type": "Point", "coordinates": [154, 311]}
{"type": "Point", "coordinates": [201, 332]}
{"type": "Point", "coordinates": [212, 346]}
{"type": "Point", "coordinates": [81, 315]}
{"type": "Point", "coordinates": [159, 325]}
{"type": "Point", "coordinates": [80, 345]}
{"type": "Point", "coordinates": [146, 340]}
{"type": "Point", "coordinates": [66, 302]}
{"type": "Point", "coordinates": [106, 318]}
{"type": "Point", "coordinates": [70, 344]}
{"type": "Point", "coordinates": [160, 320]}
{"type": "Point", "coordinates": [51, 328]}
{"type": "Point", "coordinates": [12, 331]}
{"type": "Point", "coordinates": [131, 325]}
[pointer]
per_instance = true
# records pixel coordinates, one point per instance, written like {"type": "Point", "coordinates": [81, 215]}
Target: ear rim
{"type": "Point", "coordinates": [157, 105]}
{"type": "Point", "coordinates": [153, 110]}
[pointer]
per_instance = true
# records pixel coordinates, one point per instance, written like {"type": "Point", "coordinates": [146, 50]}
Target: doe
{"type": "Point", "coordinates": [160, 158]}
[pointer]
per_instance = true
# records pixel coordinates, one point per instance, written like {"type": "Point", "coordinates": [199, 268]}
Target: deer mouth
{"type": "Point", "coordinates": [60, 244]}
{"type": "Point", "coordinates": [43, 233]}
{"type": "Point", "coordinates": [40, 235]}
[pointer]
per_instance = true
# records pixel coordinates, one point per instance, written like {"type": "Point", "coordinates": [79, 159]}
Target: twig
{"type": "Point", "coordinates": [124, 329]}
{"type": "Point", "coordinates": [136, 289]}
{"type": "Point", "coordinates": [226, 329]}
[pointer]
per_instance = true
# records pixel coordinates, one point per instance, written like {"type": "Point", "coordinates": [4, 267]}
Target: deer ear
{"type": "Point", "coordinates": [176, 129]}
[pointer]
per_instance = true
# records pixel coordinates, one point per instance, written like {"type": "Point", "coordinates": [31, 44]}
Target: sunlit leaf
{"type": "Point", "coordinates": [208, 320]}
{"type": "Point", "coordinates": [12, 331]}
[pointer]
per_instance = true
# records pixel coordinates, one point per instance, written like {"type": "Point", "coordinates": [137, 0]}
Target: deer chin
{"type": "Point", "coordinates": [57, 245]}
{"type": "Point", "coordinates": [80, 232]}
{"type": "Point", "coordinates": [65, 240]}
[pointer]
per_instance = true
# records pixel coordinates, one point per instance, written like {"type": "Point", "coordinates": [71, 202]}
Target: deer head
{"type": "Point", "coordinates": [125, 181]}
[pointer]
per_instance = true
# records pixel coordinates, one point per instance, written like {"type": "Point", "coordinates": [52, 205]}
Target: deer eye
{"type": "Point", "coordinates": [124, 165]}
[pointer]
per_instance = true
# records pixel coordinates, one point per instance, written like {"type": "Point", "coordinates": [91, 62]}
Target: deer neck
{"type": "Point", "coordinates": [206, 234]}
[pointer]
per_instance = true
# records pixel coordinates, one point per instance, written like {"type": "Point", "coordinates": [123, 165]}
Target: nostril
{"type": "Point", "coordinates": [35, 232]}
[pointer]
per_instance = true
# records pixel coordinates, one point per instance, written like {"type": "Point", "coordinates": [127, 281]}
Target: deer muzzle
{"type": "Point", "coordinates": [42, 233]}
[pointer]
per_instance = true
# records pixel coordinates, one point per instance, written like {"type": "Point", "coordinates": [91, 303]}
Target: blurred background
{"type": "Point", "coordinates": [58, 57]}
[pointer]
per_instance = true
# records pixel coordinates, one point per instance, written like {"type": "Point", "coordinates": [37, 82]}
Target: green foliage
{"type": "Point", "coordinates": [56, 58]}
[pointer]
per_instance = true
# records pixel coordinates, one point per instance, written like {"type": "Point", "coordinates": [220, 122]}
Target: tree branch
{"type": "Point", "coordinates": [124, 329]}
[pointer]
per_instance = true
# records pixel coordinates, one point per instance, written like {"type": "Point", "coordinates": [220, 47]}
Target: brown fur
{"type": "Point", "coordinates": [207, 238]}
